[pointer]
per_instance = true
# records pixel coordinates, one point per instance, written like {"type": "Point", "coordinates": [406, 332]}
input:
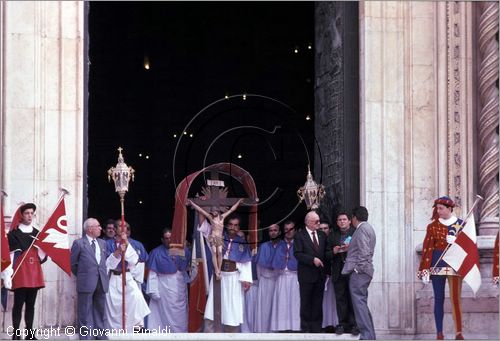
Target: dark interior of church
{"type": "Point", "coordinates": [180, 86]}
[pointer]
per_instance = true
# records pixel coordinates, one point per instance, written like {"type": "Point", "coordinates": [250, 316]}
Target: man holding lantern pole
{"type": "Point", "coordinates": [136, 306]}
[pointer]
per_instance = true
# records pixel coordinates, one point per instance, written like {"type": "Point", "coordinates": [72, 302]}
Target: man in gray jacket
{"type": "Point", "coordinates": [359, 265]}
{"type": "Point", "coordinates": [88, 264]}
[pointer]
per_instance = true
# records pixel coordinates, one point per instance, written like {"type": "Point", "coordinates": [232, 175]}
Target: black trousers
{"type": "Point", "coordinates": [345, 312]}
{"type": "Point", "coordinates": [24, 296]}
{"type": "Point", "coordinates": [311, 306]}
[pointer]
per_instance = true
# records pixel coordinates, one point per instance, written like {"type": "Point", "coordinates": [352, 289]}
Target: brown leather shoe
{"type": "Point", "coordinates": [459, 336]}
{"type": "Point", "coordinates": [440, 336]}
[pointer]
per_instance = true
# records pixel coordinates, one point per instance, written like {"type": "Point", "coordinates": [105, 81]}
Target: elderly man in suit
{"type": "Point", "coordinates": [359, 265]}
{"type": "Point", "coordinates": [309, 249]}
{"type": "Point", "coordinates": [88, 264]}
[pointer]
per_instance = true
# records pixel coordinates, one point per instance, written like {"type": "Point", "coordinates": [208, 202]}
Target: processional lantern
{"type": "Point", "coordinates": [121, 175]}
{"type": "Point", "coordinates": [311, 192]}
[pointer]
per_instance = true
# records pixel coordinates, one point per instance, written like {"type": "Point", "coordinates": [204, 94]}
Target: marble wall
{"type": "Point", "coordinates": [43, 128]}
{"type": "Point", "coordinates": [417, 142]}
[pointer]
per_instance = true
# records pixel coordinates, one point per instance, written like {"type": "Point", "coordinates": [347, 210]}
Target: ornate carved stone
{"type": "Point", "coordinates": [455, 107]}
{"type": "Point", "coordinates": [336, 115]}
{"type": "Point", "coordinates": [488, 116]}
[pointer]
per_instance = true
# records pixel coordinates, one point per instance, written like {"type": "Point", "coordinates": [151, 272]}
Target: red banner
{"type": "Point", "coordinates": [5, 243]}
{"type": "Point", "coordinates": [54, 238]}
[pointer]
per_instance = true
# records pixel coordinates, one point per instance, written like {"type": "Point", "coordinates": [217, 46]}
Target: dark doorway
{"type": "Point", "coordinates": [155, 66]}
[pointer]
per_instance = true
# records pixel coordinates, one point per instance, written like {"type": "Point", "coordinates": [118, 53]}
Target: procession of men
{"type": "Point", "coordinates": [306, 277]}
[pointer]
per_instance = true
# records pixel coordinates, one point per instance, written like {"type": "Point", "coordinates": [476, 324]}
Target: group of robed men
{"type": "Point", "coordinates": [259, 292]}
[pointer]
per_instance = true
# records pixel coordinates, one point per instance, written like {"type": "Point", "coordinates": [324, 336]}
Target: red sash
{"type": "Point", "coordinates": [30, 273]}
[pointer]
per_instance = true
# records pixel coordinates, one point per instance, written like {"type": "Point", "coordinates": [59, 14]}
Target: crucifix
{"type": "Point", "coordinates": [213, 205]}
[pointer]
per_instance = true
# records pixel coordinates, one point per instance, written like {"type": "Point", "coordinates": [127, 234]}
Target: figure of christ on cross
{"type": "Point", "coordinates": [215, 239]}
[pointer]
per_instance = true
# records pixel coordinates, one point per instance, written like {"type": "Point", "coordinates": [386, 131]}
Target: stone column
{"type": "Point", "coordinates": [396, 175]}
{"type": "Point", "coordinates": [488, 116]}
{"type": "Point", "coordinates": [42, 128]}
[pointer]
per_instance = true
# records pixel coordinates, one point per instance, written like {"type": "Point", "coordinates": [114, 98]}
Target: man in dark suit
{"type": "Point", "coordinates": [88, 264]}
{"type": "Point", "coordinates": [336, 252]}
{"type": "Point", "coordinates": [309, 249]}
{"type": "Point", "coordinates": [359, 265]}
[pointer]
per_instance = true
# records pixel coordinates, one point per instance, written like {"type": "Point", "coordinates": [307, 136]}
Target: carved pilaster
{"type": "Point", "coordinates": [488, 116]}
{"type": "Point", "coordinates": [458, 131]}
{"type": "Point", "coordinates": [328, 90]}
{"type": "Point", "coordinates": [455, 115]}
{"type": "Point", "coordinates": [336, 100]}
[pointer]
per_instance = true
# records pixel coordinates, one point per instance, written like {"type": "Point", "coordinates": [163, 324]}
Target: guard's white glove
{"type": "Point", "coordinates": [426, 279]}
{"type": "Point", "coordinates": [495, 280]}
{"type": "Point", "coordinates": [7, 282]}
{"type": "Point", "coordinates": [450, 239]}
{"type": "Point", "coordinates": [6, 275]}
{"type": "Point", "coordinates": [155, 296]}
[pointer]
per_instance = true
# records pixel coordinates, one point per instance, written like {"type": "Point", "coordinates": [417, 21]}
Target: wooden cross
{"type": "Point", "coordinates": [218, 201]}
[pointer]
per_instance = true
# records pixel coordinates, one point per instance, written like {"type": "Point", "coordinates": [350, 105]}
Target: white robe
{"type": "Point", "coordinates": [232, 295]}
{"type": "Point", "coordinates": [329, 305]}
{"type": "Point", "coordinates": [264, 302]}
{"type": "Point", "coordinates": [170, 312]}
{"type": "Point", "coordinates": [136, 307]}
{"type": "Point", "coordinates": [285, 314]}
{"type": "Point", "coordinates": [248, 325]}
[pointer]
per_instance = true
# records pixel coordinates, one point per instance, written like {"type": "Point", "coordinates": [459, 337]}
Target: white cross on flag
{"type": "Point", "coordinates": [463, 255]}
{"type": "Point", "coordinates": [54, 238]}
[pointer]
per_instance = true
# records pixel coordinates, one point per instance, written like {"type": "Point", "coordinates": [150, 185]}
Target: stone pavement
{"type": "Point", "coordinates": [246, 336]}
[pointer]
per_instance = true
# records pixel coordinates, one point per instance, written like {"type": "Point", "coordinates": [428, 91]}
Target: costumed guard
{"type": "Point", "coordinates": [441, 232]}
{"type": "Point", "coordinates": [167, 287]}
{"type": "Point", "coordinates": [28, 275]}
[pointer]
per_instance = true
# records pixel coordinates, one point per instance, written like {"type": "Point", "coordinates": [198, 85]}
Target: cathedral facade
{"type": "Point", "coordinates": [424, 117]}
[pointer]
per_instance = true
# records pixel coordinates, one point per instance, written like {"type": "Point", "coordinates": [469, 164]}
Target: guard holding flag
{"type": "Point", "coordinates": [28, 275]}
{"type": "Point", "coordinates": [441, 232]}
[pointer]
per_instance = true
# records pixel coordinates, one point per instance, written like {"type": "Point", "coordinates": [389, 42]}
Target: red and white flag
{"type": "Point", "coordinates": [5, 243]}
{"type": "Point", "coordinates": [54, 238]}
{"type": "Point", "coordinates": [463, 255]}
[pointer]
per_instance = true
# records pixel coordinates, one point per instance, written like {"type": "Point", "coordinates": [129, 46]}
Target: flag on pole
{"type": "Point", "coordinates": [197, 289]}
{"type": "Point", "coordinates": [16, 218]}
{"type": "Point", "coordinates": [5, 257]}
{"type": "Point", "coordinates": [5, 243]}
{"type": "Point", "coordinates": [54, 238]}
{"type": "Point", "coordinates": [463, 255]}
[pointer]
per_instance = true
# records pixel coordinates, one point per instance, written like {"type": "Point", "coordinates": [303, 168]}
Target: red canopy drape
{"type": "Point", "coordinates": [179, 223]}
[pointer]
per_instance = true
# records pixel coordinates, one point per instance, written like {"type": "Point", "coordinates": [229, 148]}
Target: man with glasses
{"type": "Point", "coordinates": [309, 249]}
{"type": "Point", "coordinates": [88, 264]}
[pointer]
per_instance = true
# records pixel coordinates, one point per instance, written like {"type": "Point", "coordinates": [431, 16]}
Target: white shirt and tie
{"type": "Point", "coordinates": [313, 235]}
{"type": "Point", "coordinates": [95, 245]}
